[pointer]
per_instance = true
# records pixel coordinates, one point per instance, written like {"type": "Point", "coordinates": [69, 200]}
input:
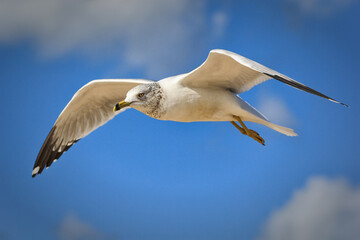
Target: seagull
{"type": "Point", "coordinates": [208, 93]}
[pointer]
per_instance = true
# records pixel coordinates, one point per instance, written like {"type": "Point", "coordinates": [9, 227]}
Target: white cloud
{"type": "Point", "coordinates": [154, 34]}
{"type": "Point", "coordinates": [72, 228]}
{"type": "Point", "coordinates": [276, 110]}
{"type": "Point", "coordinates": [220, 20]}
{"type": "Point", "coordinates": [319, 7]}
{"type": "Point", "coordinates": [324, 209]}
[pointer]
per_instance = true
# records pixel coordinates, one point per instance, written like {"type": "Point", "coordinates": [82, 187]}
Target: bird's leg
{"type": "Point", "coordinates": [244, 130]}
{"type": "Point", "coordinates": [238, 127]}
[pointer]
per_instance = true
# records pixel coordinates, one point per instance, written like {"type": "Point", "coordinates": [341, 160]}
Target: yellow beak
{"type": "Point", "coordinates": [120, 105]}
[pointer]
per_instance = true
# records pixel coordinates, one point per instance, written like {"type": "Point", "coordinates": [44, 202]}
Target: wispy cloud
{"type": "Point", "coordinates": [320, 8]}
{"type": "Point", "coordinates": [323, 209]}
{"type": "Point", "coordinates": [72, 228]}
{"type": "Point", "coordinates": [138, 33]}
{"type": "Point", "coordinates": [276, 110]}
{"type": "Point", "coordinates": [219, 22]}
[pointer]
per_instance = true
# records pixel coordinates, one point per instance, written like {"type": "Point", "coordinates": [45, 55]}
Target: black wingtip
{"type": "Point", "coordinates": [344, 104]}
{"type": "Point", "coordinates": [48, 154]}
{"type": "Point", "coordinates": [35, 171]}
{"type": "Point", "coordinates": [303, 87]}
{"type": "Point", "coordinates": [335, 101]}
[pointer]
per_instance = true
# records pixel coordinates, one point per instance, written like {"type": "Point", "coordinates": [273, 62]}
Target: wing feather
{"type": "Point", "coordinates": [90, 108]}
{"type": "Point", "coordinates": [228, 70]}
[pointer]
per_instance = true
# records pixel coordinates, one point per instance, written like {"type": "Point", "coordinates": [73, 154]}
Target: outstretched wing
{"type": "Point", "coordinates": [231, 71]}
{"type": "Point", "coordinates": [91, 107]}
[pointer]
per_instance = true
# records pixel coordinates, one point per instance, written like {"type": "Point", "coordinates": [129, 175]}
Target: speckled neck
{"type": "Point", "coordinates": [154, 107]}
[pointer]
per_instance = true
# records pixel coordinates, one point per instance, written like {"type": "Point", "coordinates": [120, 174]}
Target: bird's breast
{"type": "Point", "coordinates": [194, 105]}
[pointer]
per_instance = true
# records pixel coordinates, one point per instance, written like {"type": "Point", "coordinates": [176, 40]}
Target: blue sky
{"type": "Point", "coordinates": [140, 178]}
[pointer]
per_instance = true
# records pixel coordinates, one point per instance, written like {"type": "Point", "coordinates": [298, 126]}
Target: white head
{"type": "Point", "coordinates": [145, 98]}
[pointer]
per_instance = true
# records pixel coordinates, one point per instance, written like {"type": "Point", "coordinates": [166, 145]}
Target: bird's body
{"type": "Point", "coordinates": [196, 104]}
{"type": "Point", "coordinates": [199, 105]}
{"type": "Point", "coordinates": [208, 93]}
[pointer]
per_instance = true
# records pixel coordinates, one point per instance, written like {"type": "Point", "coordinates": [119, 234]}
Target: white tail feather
{"type": "Point", "coordinates": [281, 129]}
{"type": "Point", "coordinates": [253, 115]}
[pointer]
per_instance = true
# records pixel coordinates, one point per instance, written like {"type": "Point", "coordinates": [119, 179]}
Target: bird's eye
{"type": "Point", "coordinates": [140, 95]}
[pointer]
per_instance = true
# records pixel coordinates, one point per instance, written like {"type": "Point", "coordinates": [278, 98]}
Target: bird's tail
{"type": "Point", "coordinates": [255, 116]}
{"type": "Point", "coordinates": [281, 129]}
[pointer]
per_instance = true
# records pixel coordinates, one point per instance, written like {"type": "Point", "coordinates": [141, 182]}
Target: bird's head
{"type": "Point", "coordinates": [144, 97]}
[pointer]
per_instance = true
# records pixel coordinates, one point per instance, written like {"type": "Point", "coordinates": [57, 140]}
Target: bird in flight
{"type": "Point", "coordinates": [208, 93]}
